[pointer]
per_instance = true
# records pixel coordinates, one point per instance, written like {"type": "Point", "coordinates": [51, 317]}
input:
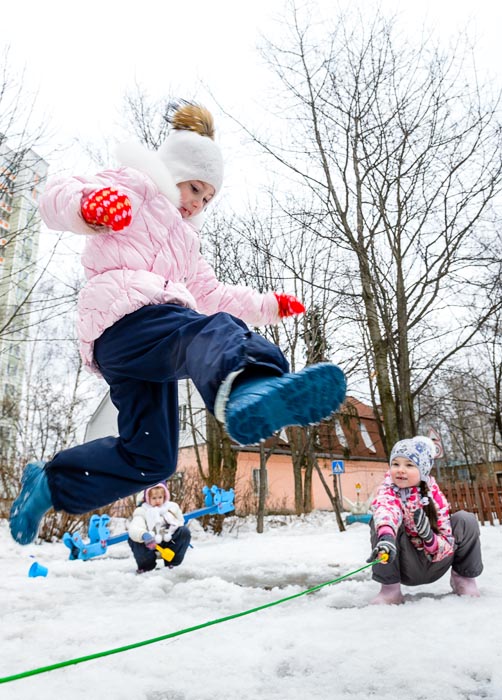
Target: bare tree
{"type": "Point", "coordinates": [492, 337]}
{"type": "Point", "coordinates": [261, 508]}
{"type": "Point", "coordinates": [267, 249]}
{"type": "Point", "coordinates": [494, 347]}
{"type": "Point", "coordinates": [147, 117]}
{"type": "Point", "coordinates": [400, 148]}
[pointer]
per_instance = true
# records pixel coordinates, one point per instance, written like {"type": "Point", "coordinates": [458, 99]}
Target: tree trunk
{"type": "Point", "coordinates": [333, 497]}
{"type": "Point", "coordinates": [262, 491]}
{"type": "Point", "coordinates": [296, 440]}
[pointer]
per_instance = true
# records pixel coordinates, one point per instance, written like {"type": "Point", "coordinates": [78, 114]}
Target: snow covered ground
{"type": "Point", "coordinates": [325, 645]}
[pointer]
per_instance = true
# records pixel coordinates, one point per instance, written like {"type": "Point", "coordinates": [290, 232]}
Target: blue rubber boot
{"type": "Point", "coordinates": [31, 505]}
{"type": "Point", "coordinates": [258, 407]}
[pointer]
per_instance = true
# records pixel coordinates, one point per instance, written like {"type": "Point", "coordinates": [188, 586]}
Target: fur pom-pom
{"type": "Point", "coordinates": [186, 116]}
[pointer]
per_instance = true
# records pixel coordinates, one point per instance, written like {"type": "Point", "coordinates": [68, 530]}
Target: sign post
{"type": "Point", "coordinates": [337, 468]}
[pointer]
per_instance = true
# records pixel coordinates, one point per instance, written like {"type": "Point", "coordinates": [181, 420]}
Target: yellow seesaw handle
{"type": "Point", "coordinates": [165, 552]}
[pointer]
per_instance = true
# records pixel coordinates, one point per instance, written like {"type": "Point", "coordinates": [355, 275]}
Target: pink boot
{"type": "Point", "coordinates": [462, 585]}
{"type": "Point", "coordinates": [390, 594]}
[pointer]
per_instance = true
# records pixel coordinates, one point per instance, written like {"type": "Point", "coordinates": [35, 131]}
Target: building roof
{"type": "Point", "coordinates": [352, 433]}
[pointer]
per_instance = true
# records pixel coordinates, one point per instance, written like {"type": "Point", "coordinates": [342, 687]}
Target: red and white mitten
{"type": "Point", "coordinates": [289, 305]}
{"type": "Point", "coordinates": [107, 207]}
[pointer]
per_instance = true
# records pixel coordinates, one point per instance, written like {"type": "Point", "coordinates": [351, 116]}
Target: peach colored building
{"type": "Point", "coordinates": [363, 472]}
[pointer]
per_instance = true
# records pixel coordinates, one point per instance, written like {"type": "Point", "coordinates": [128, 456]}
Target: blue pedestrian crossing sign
{"type": "Point", "coordinates": [338, 467]}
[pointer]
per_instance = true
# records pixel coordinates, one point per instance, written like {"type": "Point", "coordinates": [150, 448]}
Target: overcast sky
{"type": "Point", "coordinates": [82, 57]}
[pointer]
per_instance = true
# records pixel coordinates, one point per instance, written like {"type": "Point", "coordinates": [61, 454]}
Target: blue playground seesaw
{"type": "Point", "coordinates": [217, 502]}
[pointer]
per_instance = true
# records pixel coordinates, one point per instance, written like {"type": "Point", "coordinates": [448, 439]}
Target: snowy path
{"type": "Point", "coordinates": [326, 645]}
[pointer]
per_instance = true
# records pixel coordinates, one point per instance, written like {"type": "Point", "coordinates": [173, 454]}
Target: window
{"type": "Point", "coordinates": [12, 368]}
{"type": "Point", "coordinates": [28, 248]}
{"type": "Point", "coordinates": [5, 200]}
{"type": "Point", "coordinates": [34, 191]}
{"type": "Point", "coordinates": [4, 434]}
{"type": "Point", "coordinates": [367, 438]}
{"type": "Point", "coordinates": [256, 482]}
{"type": "Point", "coordinates": [183, 416]}
{"type": "Point", "coordinates": [340, 434]}
{"type": "Point", "coordinates": [10, 390]}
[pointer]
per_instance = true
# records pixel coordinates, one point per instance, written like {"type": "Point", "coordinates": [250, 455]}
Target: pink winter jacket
{"type": "Point", "coordinates": [391, 507]}
{"type": "Point", "coordinates": [155, 260]}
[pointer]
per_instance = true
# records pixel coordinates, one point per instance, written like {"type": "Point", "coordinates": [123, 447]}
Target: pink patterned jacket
{"type": "Point", "coordinates": [394, 507]}
{"type": "Point", "coordinates": [155, 260]}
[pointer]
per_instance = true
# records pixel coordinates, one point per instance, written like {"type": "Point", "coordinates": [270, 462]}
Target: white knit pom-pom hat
{"type": "Point", "coordinates": [190, 152]}
{"type": "Point", "coordinates": [420, 450]}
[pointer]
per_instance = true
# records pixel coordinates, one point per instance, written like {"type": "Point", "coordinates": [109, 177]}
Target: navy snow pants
{"type": "Point", "coordinates": [146, 559]}
{"type": "Point", "coordinates": [141, 357]}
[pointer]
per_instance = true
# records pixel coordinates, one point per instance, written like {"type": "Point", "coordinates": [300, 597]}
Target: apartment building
{"type": "Point", "coordinates": [22, 176]}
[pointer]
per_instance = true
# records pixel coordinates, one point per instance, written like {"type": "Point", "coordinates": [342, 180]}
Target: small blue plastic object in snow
{"type": "Point", "coordinates": [360, 518]}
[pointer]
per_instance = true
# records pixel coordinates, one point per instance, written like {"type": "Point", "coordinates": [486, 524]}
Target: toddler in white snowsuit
{"type": "Point", "coordinates": [157, 522]}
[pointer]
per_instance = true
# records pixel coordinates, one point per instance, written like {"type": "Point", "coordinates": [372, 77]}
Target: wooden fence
{"type": "Point", "coordinates": [484, 499]}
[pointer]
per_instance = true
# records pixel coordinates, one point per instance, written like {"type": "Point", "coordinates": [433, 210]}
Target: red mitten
{"type": "Point", "coordinates": [107, 207]}
{"type": "Point", "coordinates": [289, 305]}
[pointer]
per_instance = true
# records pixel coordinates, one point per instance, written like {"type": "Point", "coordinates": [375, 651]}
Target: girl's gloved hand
{"type": "Point", "coordinates": [149, 540]}
{"type": "Point", "coordinates": [107, 207]}
{"type": "Point", "coordinates": [424, 530]}
{"type": "Point", "coordinates": [386, 545]}
{"type": "Point", "coordinates": [289, 305]}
